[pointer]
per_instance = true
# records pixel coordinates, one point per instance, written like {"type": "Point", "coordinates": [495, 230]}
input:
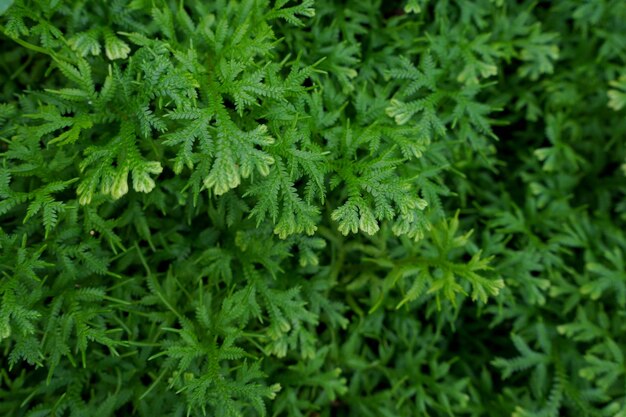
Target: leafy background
{"type": "Point", "coordinates": [238, 208]}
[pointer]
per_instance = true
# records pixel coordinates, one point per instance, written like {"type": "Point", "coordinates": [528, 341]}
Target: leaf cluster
{"type": "Point", "coordinates": [312, 208]}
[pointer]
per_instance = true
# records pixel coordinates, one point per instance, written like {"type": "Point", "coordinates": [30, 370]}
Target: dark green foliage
{"type": "Point", "coordinates": [298, 208]}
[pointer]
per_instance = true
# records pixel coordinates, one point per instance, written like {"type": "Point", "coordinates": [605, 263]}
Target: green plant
{"type": "Point", "coordinates": [363, 208]}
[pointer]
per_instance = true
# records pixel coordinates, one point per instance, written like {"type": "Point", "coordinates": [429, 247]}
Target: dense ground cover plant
{"type": "Point", "coordinates": [360, 208]}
